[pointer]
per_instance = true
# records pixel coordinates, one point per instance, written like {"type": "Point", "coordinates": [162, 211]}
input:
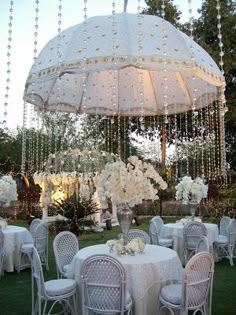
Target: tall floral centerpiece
{"type": "Point", "coordinates": [127, 185]}
{"type": "Point", "coordinates": [191, 192]}
{"type": "Point", "coordinates": [8, 190]}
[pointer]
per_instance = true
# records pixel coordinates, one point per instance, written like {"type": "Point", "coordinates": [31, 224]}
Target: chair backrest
{"type": "Point", "coordinates": [192, 233]}
{"type": "Point", "coordinates": [41, 241]}
{"type": "Point", "coordinates": [202, 245]}
{"type": "Point", "coordinates": [158, 222]}
{"type": "Point", "coordinates": [33, 226]}
{"type": "Point", "coordinates": [103, 284]}
{"type": "Point", "coordinates": [224, 225]}
{"type": "Point", "coordinates": [153, 233]}
{"type": "Point", "coordinates": [65, 247]}
{"type": "Point", "coordinates": [136, 233]}
{"type": "Point", "coordinates": [38, 272]}
{"type": "Point", "coordinates": [232, 233]}
{"type": "Point", "coordinates": [198, 280]}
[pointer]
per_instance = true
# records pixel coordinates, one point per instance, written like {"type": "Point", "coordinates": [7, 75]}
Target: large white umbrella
{"type": "Point", "coordinates": [174, 69]}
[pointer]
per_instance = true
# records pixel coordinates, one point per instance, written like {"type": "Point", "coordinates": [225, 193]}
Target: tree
{"type": "Point", "coordinates": [172, 14]}
{"type": "Point", "coordinates": [206, 34]}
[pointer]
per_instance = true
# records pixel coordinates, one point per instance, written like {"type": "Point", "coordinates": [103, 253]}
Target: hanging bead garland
{"type": "Point", "coordinates": [140, 67]}
{"type": "Point", "coordinates": [9, 46]}
{"type": "Point", "coordinates": [222, 102]}
{"type": "Point", "coordinates": [23, 153]}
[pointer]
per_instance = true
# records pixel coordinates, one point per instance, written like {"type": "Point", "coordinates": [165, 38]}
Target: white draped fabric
{"type": "Point", "coordinates": [175, 231]}
{"type": "Point", "coordinates": [146, 273]}
{"type": "Point", "coordinates": [14, 237]}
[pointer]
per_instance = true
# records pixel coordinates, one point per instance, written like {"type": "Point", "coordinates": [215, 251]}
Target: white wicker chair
{"type": "Point", "coordinates": [1, 253]}
{"type": "Point", "coordinates": [33, 226]}
{"type": "Point", "coordinates": [40, 243]}
{"type": "Point", "coordinates": [223, 230]}
{"type": "Point", "coordinates": [136, 233]}
{"type": "Point", "coordinates": [202, 245]}
{"type": "Point", "coordinates": [154, 233]}
{"type": "Point", "coordinates": [192, 233]}
{"type": "Point", "coordinates": [59, 291]}
{"type": "Point", "coordinates": [104, 289]}
{"type": "Point", "coordinates": [65, 247]}
{"type": "Point", "coordinates": [195, 292]}
{"type": "Point", "coordinates": [225, 248]}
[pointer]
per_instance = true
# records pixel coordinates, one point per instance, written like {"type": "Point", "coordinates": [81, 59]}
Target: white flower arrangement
{"type": "Point", "coordinates": [129, 183]}
{"type": "Point", "coordinates": [8, 190]}
{"type": "Point", "coordinates": [189, 190]}
{"type": "Point", "coordinates": [3, 223]}
{"type": "Point", "coordinates": [134, 246]}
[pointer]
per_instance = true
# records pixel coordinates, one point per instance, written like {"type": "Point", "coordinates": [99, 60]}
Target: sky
{"type": "Point", "coordinates": [22, 44]}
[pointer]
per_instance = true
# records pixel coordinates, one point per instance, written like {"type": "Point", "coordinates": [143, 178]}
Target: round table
{"type": "Point", "coordinates": [146, 273]}
{"type": "Point", "coordinates": [14, 237]}
{"type": "Point", "coordinates": [175, 231]}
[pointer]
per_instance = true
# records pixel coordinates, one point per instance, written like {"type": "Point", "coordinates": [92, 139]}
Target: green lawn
{"type": "Point", "coordinates": [15, 288]}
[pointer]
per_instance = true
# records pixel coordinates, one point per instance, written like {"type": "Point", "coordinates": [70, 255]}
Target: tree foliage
{"type": "Point", "coordinates": [172, 14]}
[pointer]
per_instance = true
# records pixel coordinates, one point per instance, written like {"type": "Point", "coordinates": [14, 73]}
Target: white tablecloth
{"type": "Point", "coordinates": [175, 231]}
{"type": "Point", "coordinates": [146, 273]}
{"type": "Point", "coordinates": [14, 237]}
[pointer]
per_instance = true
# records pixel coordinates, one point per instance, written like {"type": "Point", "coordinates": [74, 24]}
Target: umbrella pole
{"type": "Point", "coordinates": [125, 5]}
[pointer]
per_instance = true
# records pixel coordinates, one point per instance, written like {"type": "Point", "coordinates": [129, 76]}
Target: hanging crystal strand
{"type": "Point", "coordinates": [8, 80]}
{"type": "Point", "coordinates": [37, 142]}
{"type": "Point", "coordinates": [115, 83]}
{"type": "Point", "coordinates": [165, 86]}
{"type": "Point", "coordinates": [193, 107]}
{"type": "Point", "coordinates": [31, 140]}
{"type": "Point", "coordinates": [213, 138]}
{"type": "Point", "coordinates": [140, 67]}
{"type": "Point", "coordinates": [176, 148]}
{"type": "Point", "coordinates": [57, 130]}
{"type": "Point", "coordinates": [180, 162]}
{"type": "Point", "coordinates": [163, 6]}
{"type": "Point", "coordinates": [106, 135]}
{"type": "Point", "coordinates": [33, 159]}
{"type": "Point", "coordinates": [124, 138]}
{"type": "Point", "coordinates": [202, 132]}
{"type": "Point", "coordinates": [208, 150]}
{"type": "Point", "coordinates": [84, 63]}
{"type": "Point", "coordinates": [186, 139]}
{"type": "Point", "coordinates": [23, 151]}
{"type": "Point", "coordinates": [130, 129]}
{"type": "Point", "coordinates": [222, 106]}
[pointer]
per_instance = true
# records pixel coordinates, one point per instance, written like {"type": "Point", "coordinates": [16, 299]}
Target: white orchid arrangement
{"type": "Point", "coordinates": [129, 183]}
{"type": "Point", "coordinates": [189, 190]}
{"type": "Point", "coordinates": [8, 190]}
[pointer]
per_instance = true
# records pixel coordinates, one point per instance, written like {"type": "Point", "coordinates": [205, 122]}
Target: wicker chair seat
{"type": "Point", "coordinates": [221, 239]}
{"type": "Point", "coordinates": [59, 287]}
{"type": "Point", "coordinates": [27, 248]}
{"type": "Point", "coordinates": [172, 293]}
{"type": "Point", "coordinates": [166, 242]}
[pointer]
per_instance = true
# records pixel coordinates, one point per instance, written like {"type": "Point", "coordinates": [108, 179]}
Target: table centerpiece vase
{"type": "Point", "coordinates": [193, 209]}
{"type": "Point", "coordinates": [124, 216]}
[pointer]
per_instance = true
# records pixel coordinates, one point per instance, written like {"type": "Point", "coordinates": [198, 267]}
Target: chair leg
{"type": "Point", "coordinates": [166, 308]}
{"type": "Point", "coordinates": [230, 251]}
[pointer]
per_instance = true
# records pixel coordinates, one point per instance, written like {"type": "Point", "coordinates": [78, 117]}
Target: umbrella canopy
{"type": "Point", "coordinates": [55, 81]}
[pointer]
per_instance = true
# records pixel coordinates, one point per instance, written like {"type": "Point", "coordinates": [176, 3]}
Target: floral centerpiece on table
{"type": "Point", "coordinates": [128, 183]}
{"type": "Point", "coordinates": [8, 190]}
{"type": "Point", "coordinates": [189, 190]}
{"type": "Point", "coordinates": [134, 246]}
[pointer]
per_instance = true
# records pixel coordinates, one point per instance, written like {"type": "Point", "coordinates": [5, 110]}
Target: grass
{"type": "Point", "coordinates": [15, 288]}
